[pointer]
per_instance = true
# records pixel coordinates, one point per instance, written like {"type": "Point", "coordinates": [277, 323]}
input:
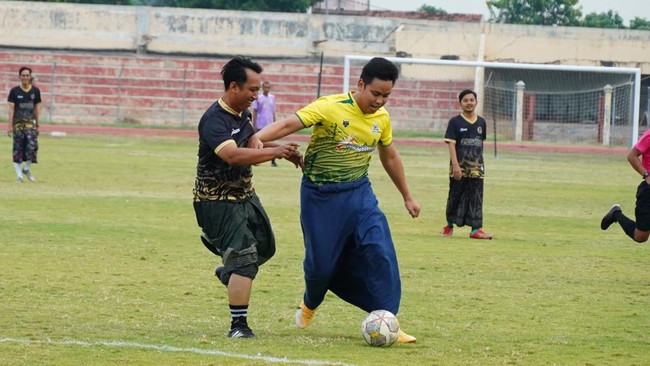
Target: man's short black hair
{"type": "Point", "coordinates": [464, 93]}
{"type": "Point", "coordinates": [23, 69]}
{"type": "Point", "coordinates": [235, 70]}
{"type": "Point", "coordinates": [381, 69]}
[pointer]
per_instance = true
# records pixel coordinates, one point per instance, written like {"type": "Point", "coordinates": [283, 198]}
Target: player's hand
{"type": "Point", "coordinates": [412, 207]}
{"type": "Point", "coordinates": [254, 142]}
{"type": "Point", "coordinates": [297, 160]}
{"type": "Point", "coordinates": [457, 173]}
{"type": "Point", "coordinates": [285, 151]}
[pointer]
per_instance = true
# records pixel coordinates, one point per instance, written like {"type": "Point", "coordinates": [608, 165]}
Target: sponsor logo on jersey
{"type": "Point", "coordinates": [350, 144]}
{"type": "Point", "coordinates": [235, 131]}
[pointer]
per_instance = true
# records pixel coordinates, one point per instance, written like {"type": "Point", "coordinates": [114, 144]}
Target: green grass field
{"type": "Point", "coordinates": [100, 264]}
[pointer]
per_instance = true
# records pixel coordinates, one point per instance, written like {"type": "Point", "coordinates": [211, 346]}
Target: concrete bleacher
{"type": "Point", "coordinates": [92, 88]}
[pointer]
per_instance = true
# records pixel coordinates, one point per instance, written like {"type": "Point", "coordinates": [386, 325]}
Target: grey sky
{"type": "Point", "coordinates": [627, 9]}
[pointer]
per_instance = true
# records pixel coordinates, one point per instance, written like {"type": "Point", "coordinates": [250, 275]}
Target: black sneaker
{"type": "Point", "coordinates": [609, 219]}
{"type": "Point", "coordinates": [241, 331]}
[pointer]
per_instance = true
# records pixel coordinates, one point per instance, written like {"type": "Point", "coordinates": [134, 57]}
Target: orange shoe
{"type": "Point", "coordinates": [447, 231]}
{"type": "Point", "coordinates": [304, 315]}
{"type": "Point", "coordinates": [405, 338]}
{"type": "Point", "coordinates": [480, 234]}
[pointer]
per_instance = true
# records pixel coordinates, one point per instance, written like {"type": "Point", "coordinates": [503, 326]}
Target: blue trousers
{"type": "Point", "coordinates": [348, 247]}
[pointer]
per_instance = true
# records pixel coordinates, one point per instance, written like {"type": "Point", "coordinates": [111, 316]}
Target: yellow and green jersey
{"type": "Point", "coordinates": [343, 138]}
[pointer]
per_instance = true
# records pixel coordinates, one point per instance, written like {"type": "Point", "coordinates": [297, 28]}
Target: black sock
{"type": "Point", "coordinates": [627, 224]}
{"type": "Point", "coordinates": [238, 313]}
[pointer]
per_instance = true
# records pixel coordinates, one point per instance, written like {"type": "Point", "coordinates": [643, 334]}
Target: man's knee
{"type": "Point", "coordinates": [641, 236]}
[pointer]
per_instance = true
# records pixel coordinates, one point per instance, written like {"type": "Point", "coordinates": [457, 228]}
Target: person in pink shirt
{"type": "Point", "coordinates": [639, 158]}
{"type": "Point", "coordinates": [264, 110]}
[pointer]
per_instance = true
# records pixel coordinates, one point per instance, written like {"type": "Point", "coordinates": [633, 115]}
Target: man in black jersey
{"type": "Point", "coordinates": [464, 137]}
{"type": "Point", "coordinates": [24, 115]}
{"type": "Point", "coordinates": [235, 225]}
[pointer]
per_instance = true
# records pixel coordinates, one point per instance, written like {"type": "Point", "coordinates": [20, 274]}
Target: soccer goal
{"type": "Point", "coordinates": [557, 104]}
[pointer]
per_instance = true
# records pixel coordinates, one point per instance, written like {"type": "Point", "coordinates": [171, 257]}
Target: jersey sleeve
{"type": "Point", "coordinates": [314, 113]}
{"type": "Point", "coordinates": [37, 96]}
{"type": "Point", "coordinates": [215, 134]}
{"type": "Point", "coordinates": [451, 134]}
{"type": "Point", "coordinates": [386, 137]}
{"type": "Point", "coordinates": [644, 142]}
{"type": "Point", "coordinates": [484, 132]}
{"type": "Point", "coordinates": [11, 98]}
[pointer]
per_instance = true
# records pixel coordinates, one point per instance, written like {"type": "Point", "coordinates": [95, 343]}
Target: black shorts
{"type": "Point", "coordinates": [240, 231]}
{"type": "Point", "coordinates": [642, 210]}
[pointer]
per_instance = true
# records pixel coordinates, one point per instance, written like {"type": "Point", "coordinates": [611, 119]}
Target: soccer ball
{"type": "Point", "coordinates": [380, 328]}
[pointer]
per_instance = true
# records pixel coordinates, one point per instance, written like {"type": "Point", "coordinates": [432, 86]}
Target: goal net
{"type": "Point", "coordinates": [522, 103]}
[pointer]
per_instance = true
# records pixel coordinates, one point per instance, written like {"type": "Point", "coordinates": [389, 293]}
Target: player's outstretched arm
{"type": "Point", "coordinates": [280, 129]}
{"type": "Point", "coordinates": [234, 155]}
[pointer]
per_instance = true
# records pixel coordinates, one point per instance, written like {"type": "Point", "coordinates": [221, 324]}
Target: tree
{"type": "Point", "coordinates": [611, 19]}
{"type": "Point", "coordinates": [540, 12]}
{"type": "Point", "coordinates": [640, 23]}
{"type": "Point", "coordinates": [432, 10]}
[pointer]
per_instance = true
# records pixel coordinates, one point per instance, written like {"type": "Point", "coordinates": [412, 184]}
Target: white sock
{"type": "Point", "coordinates": [28, 163]}
{"type": "Point", "coordinates": [19, 170]}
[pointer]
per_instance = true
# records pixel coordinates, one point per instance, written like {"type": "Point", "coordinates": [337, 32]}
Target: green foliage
{"type": "Point", "coordinates": [640, 23]}
{"type": "Point", "coordinates": [539, 12]}
{"type": "Point", "coordinates": [556, 12]}
{"type": "Point", "coordinates": [610, 19]}
{"type": "Point", "coordinates": [101, 258]}
{"type": "Point", "coordinates": [432, 10]}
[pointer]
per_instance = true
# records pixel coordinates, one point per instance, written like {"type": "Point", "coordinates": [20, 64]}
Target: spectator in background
{"type": "Point", "coordinates": [464, 137]}
{"type": "Point", "coordinates": [24, 115]}
{"type": "Point", "coordinates": [235, 225]}
{"type": "Point", "coordinates": [264, 110]}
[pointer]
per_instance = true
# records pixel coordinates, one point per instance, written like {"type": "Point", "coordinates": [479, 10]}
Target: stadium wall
{"type": "Point", "coordinates": [88, 27]}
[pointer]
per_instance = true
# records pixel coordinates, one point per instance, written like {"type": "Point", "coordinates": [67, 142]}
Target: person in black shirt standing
{"type": "Point", "coordinates": [234, 223]}
{"type": "Point", "coordinates": [24, 114]}
{"type": "Point", "coordinates": [464, 137]}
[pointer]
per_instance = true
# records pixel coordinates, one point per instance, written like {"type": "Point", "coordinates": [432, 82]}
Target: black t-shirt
{"type": "Point", "coordinates": [215, 178]}
{"type": "Point", "coordinates": [24, 103]}
{"type": "Point", "coordinates": [468, 138]}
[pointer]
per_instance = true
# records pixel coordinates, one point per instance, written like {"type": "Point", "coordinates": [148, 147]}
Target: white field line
{"type": "Point", "coordinates": [164, 348]}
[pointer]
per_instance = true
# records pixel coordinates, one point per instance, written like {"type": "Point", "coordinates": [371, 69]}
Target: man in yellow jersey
{"type": "Point", "coordinates": [348, 244]}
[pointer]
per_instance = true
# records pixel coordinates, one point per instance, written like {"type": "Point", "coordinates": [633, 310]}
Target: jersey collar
{"type": "Point", "coordinates": [228, 109]}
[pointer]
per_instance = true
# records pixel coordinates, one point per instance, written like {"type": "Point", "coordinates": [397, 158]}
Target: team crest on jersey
{"type": "Point", "coordinates": [375, 128]}
{"type": "Point", "coordinates": [346, 123]}
{"type": "Point", "coordinates": [479, 129]}
{"type": "Point", "coordinates": [33, 96]}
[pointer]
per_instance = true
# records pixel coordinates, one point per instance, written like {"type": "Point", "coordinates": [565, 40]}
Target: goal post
{"type": "Point", "coordinates": [525, 102]}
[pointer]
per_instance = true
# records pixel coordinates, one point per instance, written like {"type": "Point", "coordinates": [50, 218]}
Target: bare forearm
{"type": "Point", "coordinates": [635, 162]}
{"type": "Point", "coordinates": [280, 129]}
